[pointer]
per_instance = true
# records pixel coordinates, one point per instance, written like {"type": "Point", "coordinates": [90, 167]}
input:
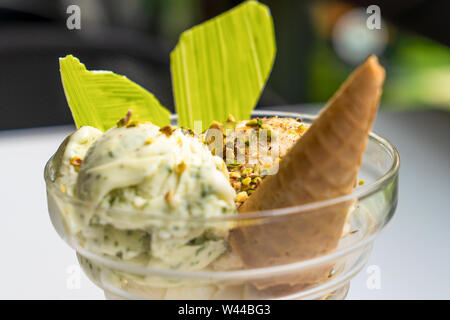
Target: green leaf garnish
{"type": "Point", "coordinates": [220, 67]}
{"type": "Point", "coordinates": [100, 98]}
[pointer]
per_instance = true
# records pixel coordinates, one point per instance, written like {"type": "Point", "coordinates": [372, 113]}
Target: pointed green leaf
{"type": "Point", "coordinates": [100, 98]}
{"type": "Point", "coordinates": [220, 67]}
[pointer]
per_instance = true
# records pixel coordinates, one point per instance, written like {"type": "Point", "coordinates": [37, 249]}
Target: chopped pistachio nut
{"type": "Point", "coordinates": [149, 141]}
{"type": "Point", "coordinates": [235, 174]}
{"type": "Point", "coordinates": [301, 128]}
{"type": "Point", "coordinates": [257, 180]}
{"type": "Point", "coordinates": [187, 131]}
{"type": "Point", "coordinates": [246, 181]}
{"type": "Point", "coordinates": [232, 165]}
{"type": "Point", "coordinates": [179, 169]}
{"type": "Point", "coordinates": [237, 185]}
{"type": "Point", "coordinates": [254, 123]}
{"type": "Point", "coordinates": [216, 125]}
{"type": "Point", "coordinates": [231, 118]}
{"type": "Point", "coordinates": [247, 171]}
{"type": "Point", "coordinates": [125, 120]}
{"type": "Point", "coordinates": [242, 196]}
{"type": "Point", "coordinates": [167, 130]}
{"type": "Point", "coordinates": [76, 161]}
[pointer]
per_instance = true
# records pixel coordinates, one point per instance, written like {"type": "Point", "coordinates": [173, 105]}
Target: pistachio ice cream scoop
{"type": "Point", "coordinates": [143, 172]}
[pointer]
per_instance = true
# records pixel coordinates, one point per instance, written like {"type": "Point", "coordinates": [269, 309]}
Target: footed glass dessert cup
{"type": "Point", "coordinates": [318, 267]}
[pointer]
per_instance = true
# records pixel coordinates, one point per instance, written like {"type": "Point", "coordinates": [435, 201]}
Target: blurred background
{"type": "Point", "coordinates": [319, 43]}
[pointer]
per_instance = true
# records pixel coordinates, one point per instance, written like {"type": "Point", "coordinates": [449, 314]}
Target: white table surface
{"type": "Point", "coordinates": [413, 253]}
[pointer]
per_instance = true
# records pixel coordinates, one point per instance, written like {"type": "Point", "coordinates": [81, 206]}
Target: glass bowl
{"type": "Point", "coordinates": [321, 246]}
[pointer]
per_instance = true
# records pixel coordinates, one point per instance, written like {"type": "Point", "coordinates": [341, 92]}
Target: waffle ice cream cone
{"type": "Point", "coordinates": [322, 165]}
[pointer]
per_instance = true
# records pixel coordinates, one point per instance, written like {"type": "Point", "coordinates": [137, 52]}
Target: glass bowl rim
{"type": "Point", "coordinates": [362, 192]}
{"type": "Point", "coordinates": [249, 273]}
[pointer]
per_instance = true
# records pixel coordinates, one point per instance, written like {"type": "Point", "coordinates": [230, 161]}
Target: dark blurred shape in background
{"type": "Point", "coordinates": [319, 43]}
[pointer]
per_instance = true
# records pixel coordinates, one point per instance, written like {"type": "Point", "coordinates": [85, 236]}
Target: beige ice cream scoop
{"type": "Point", "coordinates": [322, 165]}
